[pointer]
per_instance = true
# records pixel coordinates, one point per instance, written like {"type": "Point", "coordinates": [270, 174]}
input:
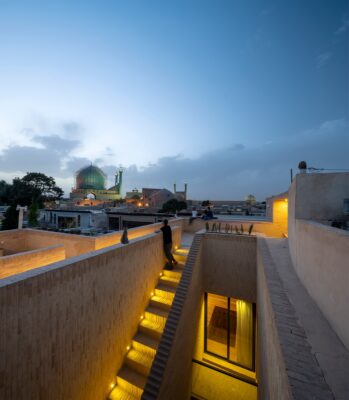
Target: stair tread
{"type": "Point", "coordinates": [157, 311]}
{"type": "Point", "coordinates": [155, 326]}
{"type": "Point", "coordinates": [165, 279]}
{"type": "Point", "coordinates": [120, 394]}
{"type": "Point", "coordinates": [140, 357]}
{"type": "Point", "coordinates": [162, 300]}
{"type": "Point", "coordinates": [130, 375]}
{"type": "Point", "coordinates": [165, 288]}
{"type": "Point", "coordinates": [146, 340]}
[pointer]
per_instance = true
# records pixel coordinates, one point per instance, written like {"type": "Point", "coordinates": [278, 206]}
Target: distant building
{"type": "Point", "coordinates": [91, 183]}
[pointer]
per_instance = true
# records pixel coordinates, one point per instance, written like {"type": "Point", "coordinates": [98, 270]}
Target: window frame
{"type": "Point", "coordinates": [227, 359]}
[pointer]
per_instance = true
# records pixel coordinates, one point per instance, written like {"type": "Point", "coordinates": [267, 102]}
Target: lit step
{"type": "Point", "coordinates": [120, 394]}
{"type": "Point", "coordinates": [139, 361]}
{"type": "Point", "coordinates": [161, 302]}
{"type": "Point", "coordinates": [176, 272]}
{"type": "Point", "coordinates": [169, 280]}
{"type": "Point", "coordinates": [180, 258]}
{"type": "Point", "coordinates": [143, 342]}
{"type": "Point", "coordinates": [163, 290]}
{"type": "Point", "coordinates": [131, 381]}
{"type": "Point", "coordinates": [151, 328]}
{"type": "Point", "coordinates": [183, 251]}
{"type": "Point", "coordinates": [156, 314]}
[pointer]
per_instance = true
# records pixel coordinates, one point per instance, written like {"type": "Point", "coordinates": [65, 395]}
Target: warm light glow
{"type": "Point", "coordinates": [128, 348]}
{"type": "Point", "coordinates": [147, 204]}
{"type": "Point", "coordinates": [151, 294]}
{"type": "Point", "coordinates": [139, 204]}
{"type": "Point", "coordinates": [160, 274]}
{"type": "Point", "coordinates": [112, 385]}
{"type": "Point", "coordinates": [286, 200]}
{"type": "Point", "coordinates": [142, 316]}
{"type": "Point", "coordinates": [176, 247]}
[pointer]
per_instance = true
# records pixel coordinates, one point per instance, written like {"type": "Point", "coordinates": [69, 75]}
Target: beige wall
{"type": "Point", "coordinates": [74, 245]}
{"type": "Point", "coordinates": [320, 257]}
{"type": "Point", "coordinates": [271, 369]}
{"type": "Point", "coordinates": [229, 265]}
{"type": "Point", "coordinates": [65, 327]}
{"type": "Point", "coordinates": [17, 263]}
{"type": "Point", "coordinates": [320, 196]}
{"type": "Point", "coordinates": [272, 229]}
{"type": "Point", "coordinates": [13, 240]}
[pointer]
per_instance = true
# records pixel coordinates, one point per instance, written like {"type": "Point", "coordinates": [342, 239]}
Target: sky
{"type": "Point", "coordinates": [226, 96]}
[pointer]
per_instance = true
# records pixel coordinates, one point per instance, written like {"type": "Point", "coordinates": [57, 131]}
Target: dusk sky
{"type": "Point", "coordinates": [226, 96]}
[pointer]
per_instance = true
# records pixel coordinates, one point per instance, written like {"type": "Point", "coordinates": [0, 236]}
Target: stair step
{"type": "Point", "coordinates": [161, 302]}
{"type": "Point", "coordinates": [156, 313]}
{"type": "Point", "coordinates": [140, 361]}
{"type": "Point", "coordinates": [131, 381]}
{"type": "Point", "coordinates": [168, 280]}
{"type": "Point", "coordinates": [164, 290]}
{"type": "Point", "coordinates": [176, 272]}
{"type": "Point", "coordinates": [153, 329]}
{"type": "Point", "coordinates": [141, 341]}
{"type": "Point", "coordinates": [120, 394]}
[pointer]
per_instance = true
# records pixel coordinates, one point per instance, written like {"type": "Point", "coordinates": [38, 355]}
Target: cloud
{"type": "Point", "coordinates": [262, 170]}
{"type": "Point", "coordinates": [323, 58]}
{"type": "Point", "coordinates": [228, 172]}
{"type": "Point", "coordinates": [343, 28]}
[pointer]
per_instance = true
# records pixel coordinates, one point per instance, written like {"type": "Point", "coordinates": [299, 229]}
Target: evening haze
{"type": "Point", "coordinates": [226, 96]}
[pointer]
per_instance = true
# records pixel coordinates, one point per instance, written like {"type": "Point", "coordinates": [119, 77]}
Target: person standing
{"type": "Point", "coordinates": [167, 238]}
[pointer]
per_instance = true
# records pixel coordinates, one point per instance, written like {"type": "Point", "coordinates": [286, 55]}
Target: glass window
{"type": "Point", "coordinates": [217, 324]}
{"type": "Point", "coordinates": [229, 329]}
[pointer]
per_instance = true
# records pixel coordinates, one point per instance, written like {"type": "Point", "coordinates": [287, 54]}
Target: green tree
{"type": "Point", "coordinates": [33, 214]}
{"type": "Point", "coordinates": [11, 219]}
{"type": "Point", "coordinates": [44, 185]}
{"type": "Point", "coordinates": [173, 205]}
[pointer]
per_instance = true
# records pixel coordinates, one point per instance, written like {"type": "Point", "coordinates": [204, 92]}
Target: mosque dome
{"type": "Point", "coordinates": [90, 177]}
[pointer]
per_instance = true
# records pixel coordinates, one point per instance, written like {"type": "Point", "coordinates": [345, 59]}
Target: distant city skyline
{"type": "Point", "coordinates": [226, 96]}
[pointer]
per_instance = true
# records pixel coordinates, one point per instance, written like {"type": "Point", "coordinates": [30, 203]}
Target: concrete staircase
{"type": "Point", "coordinates": [133, 374]}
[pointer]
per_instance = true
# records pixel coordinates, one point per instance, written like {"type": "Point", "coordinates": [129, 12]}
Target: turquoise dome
{"type": "Point", "coordinates": [90, 177]}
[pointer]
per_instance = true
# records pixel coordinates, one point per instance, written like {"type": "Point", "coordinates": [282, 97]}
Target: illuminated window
{"type": "Point", "coordinates": [230, 329]}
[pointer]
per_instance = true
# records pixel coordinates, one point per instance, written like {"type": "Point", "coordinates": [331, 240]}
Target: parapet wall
{"type": "Point", "coordinates": [271, 229]}
{"type": "Point", "coordinates": [17, 263]}
{"type": "Point", "coordinates": [65, 327]}
{"type": "Point", "coordinates": [320, 256]}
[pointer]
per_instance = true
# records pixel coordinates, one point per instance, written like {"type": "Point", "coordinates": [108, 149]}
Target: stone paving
{"type": "Point", "coordinates": [330, 353]}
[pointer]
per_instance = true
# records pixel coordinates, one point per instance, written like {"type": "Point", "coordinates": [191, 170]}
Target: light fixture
{"type": "Point", "coordinates": [151, 294]}
{"type": "Point", "coordinates": [112, 385]}
{"type": "Point", "coordinates": [142, 316]}
{"type": "Point", "coordinates": [128, 348]}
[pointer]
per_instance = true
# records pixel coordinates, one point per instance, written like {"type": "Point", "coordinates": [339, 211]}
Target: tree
{"type": "Point", "coordinates": [173, 205]}
{"type": "Point", "coordinates": [33, 214]}
{"type": "Point", "coordinates": [11, 219]}
{"type": "Point", "coordinates": [44, 185]}
{"type": "Point", "coordinates": [206, 203]}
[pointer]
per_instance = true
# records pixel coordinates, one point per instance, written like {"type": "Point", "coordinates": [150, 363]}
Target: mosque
{"type": "Point", "coordinates": [90, 182]}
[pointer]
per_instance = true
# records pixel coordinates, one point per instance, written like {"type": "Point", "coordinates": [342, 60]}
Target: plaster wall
{"type": "Point", "coordinates": [12, 240]}
{"type": "Point", "coordinates": [74, 245]}
{"type": "Point", "coordinates": [268, 228]}
{"type": "Point", "coordinates": [320, 196]}
{"type": "Point", "coordinates": [17, 263]}
{"type": "Point", "coordinates": [320, 257]}
{"type": "Point", "coordinates": [65, 327]}
{"type": "Point", "coordinates": [229, 265]}
{"type": "Point", "coordinates": [271, 369]}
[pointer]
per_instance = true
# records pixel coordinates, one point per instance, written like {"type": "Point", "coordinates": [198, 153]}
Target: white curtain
{"type": "Point", "coordinates": [244, 333]}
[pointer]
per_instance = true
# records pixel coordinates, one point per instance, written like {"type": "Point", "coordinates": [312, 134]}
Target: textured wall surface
{"type": "Point", "coordinates": [320, 257]}
{"type": "Point", "coordinates": [65, 327]}
{"type": "Point", "coordinates": [229, 265]}
{"type": "Point", "coordinates": [17, 263]}
{"type": "Point", "coordinates": [271, 229]}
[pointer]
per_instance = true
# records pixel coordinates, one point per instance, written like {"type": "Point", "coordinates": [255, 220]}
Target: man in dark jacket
{"type": "Point", "coordinates": [167, 238]}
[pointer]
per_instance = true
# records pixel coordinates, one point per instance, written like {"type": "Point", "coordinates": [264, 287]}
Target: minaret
{"type": "Point", "coordinates": [185, 191]}
{"type": "Point", "coordinates": [118, 180]}
{"type": "Point", "coordinates": [174, 188]}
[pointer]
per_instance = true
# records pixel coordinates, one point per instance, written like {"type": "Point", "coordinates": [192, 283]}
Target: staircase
{"type": "Point", "coordinates": [138, 360]}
